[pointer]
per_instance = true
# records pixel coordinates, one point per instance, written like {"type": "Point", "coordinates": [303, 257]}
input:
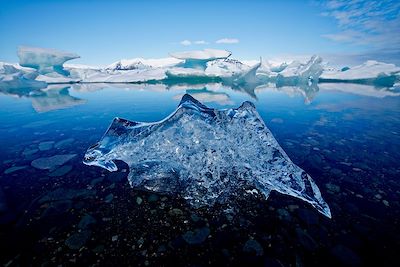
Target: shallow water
{"type": "Point", "coordinates": [347, 137]}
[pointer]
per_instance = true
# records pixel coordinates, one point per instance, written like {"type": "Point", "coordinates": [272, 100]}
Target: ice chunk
{"type": "Point", "coordinates": [198, 59]}
{"type": "Point", "coordinates": [297, 72]}
{"type": "Point", "coordinates": [13, 79]}
{"type": "Point", "coordinates": [370, 72]}
{"type": "Point", "coordinates": [205, 155]}
{"type": "Point", "coordinates": [44, 60]}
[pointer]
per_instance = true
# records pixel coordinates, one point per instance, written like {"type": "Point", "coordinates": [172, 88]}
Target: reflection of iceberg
{"type": "Point", "coordinates": [361, 89]}
{"type": "Point", "coordinates": [54, 98]}
{"type": "Point", "coordinates": [205, 155]}
{"type": "Point", "coordinates": [308, 90]}
{"type": "Point", "coordinates": [206, 96]}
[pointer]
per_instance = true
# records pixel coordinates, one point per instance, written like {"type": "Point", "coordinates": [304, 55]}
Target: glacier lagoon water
{"type": "Point", "coordinates": [55, 209]}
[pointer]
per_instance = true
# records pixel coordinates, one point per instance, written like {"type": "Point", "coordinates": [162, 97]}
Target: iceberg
{"type": "Point", "coordinates": [297, 72]}
{"type": "Point", "coordinates": [198, 59]}
{"type": "Point", "coordinates": [205, 155]}
{"type": "Point", "coordinates": [44, 60]}
{"type": "Point", "coordinates": [370, 72]}
{"type": "Point", "coordinates": [12, 79]}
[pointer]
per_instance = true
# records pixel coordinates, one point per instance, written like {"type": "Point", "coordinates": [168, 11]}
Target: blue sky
{"type": "Point", "coordinates": [102, 32]}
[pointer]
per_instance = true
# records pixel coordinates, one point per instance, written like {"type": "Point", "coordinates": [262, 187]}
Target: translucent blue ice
{"type": "Point", "coordinates": [205, 155]}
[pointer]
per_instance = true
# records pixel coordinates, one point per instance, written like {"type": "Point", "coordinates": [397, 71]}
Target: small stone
{"type": "Point", "coordinates": [293, 207]}
{"type": "Point", "coordinates": [139, 200]}
{"type": "Point", "coordinates": [43, 146]}
{"type": "Point", "coordinates": [284, 214]}
{"type": "Point", "coordinates": [194, 217]}
{"type": "Point", "coordinates": [48, 163]}
{"type": "Point", "coordinates": [86, 221]}
{"type": "Point", "coordinates": [175, 212]}
{"type": "Point", "coordinates": [64, 143]}
{"type": "Point", "coordinates": [77, 240]}
{"type": "Point", "coordinates": [98, 249]}
{"type": "Point", "coordinates": [385, 202]}
{"type": "Point", "coordinates": [109, 198]}
{"type": "Point", "coordinates": [96, 181]}
{"type": "Point", "coordinates": [252, 246]}
{"type": "Point", "coordinates": [378, 196]}
{"type": "Point", "coordinates": [153, 198]}
{"type": "Point", "coordinates": [332, 187]}
{"type": "Point", "coordinates": [63, 170]}
{"type": "Point", "coordinates": [114, 238]}
{"type": "Point", "coordinates": [197, 236]}
{"type": "Point", "coordinates": [14, 169]}
{"type": "Point", "coordinates": [346, 256]}
{"type": "Point", "coordinates": [306, 240]}
{"type": "Point", "coordinates": [277, 120]}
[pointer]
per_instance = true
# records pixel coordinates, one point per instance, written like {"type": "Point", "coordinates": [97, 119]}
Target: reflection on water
{"type": "Point", "coordinates": [55, 97]}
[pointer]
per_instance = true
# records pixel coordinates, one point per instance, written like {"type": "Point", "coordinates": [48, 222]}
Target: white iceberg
{"type": "Point", "coordinates": [297, 72]}
{"type": "Point", "coordinates": [44, 60]}
{"type": "Point", "coordinates": [14, 77]}
{"type": "Point", "coordinates": [198, 59]}
{"type": "Point", "coordinates": [370, 72]}
{"type": "Point", "coordinates": [205, 155]}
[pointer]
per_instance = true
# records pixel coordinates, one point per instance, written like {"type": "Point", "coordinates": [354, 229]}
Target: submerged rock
{"type": "Point", "coordinates": [77, 240]}
{"type": "Point", "coordinates": [197, 236]}
{"type": "Point", "coordinates": [14, 169]}
{"type": "Point", "coordinates": [43, 146]}
{"type": "Point", "coordinates": [48, 163]}
{"type": "Point", "coordinates": [66, 194]}
{"type": "Point", "coordinates": [86, 221]}
{"type": "Point", "coordinates": [252, 246]}
{"type": "Point", "coordinates": [63, 170]}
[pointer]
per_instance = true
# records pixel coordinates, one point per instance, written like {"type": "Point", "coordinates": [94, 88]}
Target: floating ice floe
{"type": "Point", "coordinates": [370, 72]}
{"type": "Point", "coordinates": [44, 60]}
{"type": "Point", "coordinates": [198, 59]}
{"type": "Point", "coordinates": [205, 155]}
{"type": "Point", "coordinates": [12, 78]}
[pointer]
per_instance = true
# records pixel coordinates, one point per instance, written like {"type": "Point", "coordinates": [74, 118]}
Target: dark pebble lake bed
{"type": "Point", "coordinates": [56, 211]}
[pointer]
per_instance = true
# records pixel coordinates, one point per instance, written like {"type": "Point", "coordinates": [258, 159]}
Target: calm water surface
{"type": "Point", "coordinates": [347, 137]}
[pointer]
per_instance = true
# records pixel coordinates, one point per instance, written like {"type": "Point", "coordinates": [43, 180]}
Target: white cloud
{"type": "Point", "coordinates": [227, 41]}
{"type": "Point", "coordinates": [186, 42]}
{"type": "Point", "coordinates": [372, 23]}
{"type": "Point", "coordinates": [200, 42]}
